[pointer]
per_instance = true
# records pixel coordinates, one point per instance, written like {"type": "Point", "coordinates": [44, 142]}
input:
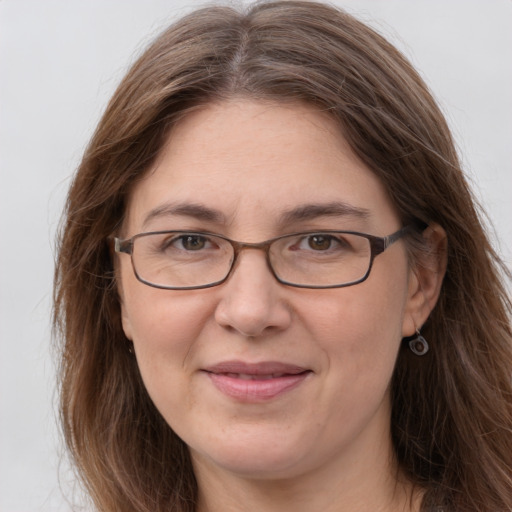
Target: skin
{"type": "Point", "coordinates": [325, 444]}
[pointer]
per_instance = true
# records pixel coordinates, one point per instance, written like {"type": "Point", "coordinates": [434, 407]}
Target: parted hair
{"type": "Point", "coordinates": [451, 419]}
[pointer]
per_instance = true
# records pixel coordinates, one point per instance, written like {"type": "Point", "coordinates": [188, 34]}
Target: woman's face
{"type": "Point", "coordinates": [258, 378]}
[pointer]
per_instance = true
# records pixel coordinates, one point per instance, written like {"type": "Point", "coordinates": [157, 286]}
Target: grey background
{"type": "Point", "coordinates": [60, 61]}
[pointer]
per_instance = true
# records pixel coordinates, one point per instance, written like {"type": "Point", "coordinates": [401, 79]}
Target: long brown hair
{"type": "Point", "coordinates": [452, 409]}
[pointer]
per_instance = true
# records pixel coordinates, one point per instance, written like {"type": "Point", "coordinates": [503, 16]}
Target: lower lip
{"type": "Point", "coordinates": [255, 390]}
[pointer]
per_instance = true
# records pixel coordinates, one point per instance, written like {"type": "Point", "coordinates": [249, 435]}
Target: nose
{"type": "Point", "coordinates": [252, 302]}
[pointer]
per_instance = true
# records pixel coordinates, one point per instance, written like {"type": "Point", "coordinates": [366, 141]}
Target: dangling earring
{"type": "Point", "coordinates": [419, 344]}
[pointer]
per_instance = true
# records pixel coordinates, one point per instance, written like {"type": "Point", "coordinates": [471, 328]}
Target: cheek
{"type": "Point", "coordinates": [359, 327]}
{"type": "Point", "coordinates": [164, 327]}
{"type": "Point", "coordinates": [165, 330]}
{"type": "Point", "coordinates": [166, 322]}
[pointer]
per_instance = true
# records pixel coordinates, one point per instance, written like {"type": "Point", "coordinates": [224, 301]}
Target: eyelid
{"type": "Point", "coordinates": [329, 225]}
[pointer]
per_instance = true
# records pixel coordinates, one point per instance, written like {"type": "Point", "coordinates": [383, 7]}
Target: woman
{"type": "Point", "coordinates": [273, 289]}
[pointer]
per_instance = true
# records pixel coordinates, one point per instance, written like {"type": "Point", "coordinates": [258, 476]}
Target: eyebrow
{"type": "Point", "coordinates": [298, 214]}
{"type": "Point", "coordinates": [331, 209]}
{"type": "Point", "coordinates": [195, 210]}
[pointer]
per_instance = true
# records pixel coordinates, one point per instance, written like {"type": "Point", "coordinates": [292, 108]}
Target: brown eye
{"type": "Point", "coordinates": [320, 242]}
{"type": "Point", "coordinates": [193, 242]}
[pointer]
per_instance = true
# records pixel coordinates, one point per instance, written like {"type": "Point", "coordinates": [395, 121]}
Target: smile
{"type": "Point", "coordinates": [254, 383]}
{"type": "Point", "coordinates": [246, 376]}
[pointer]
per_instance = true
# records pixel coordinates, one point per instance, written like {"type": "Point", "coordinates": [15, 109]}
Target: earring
{"type": "Point", "coordinates": [419, 344]}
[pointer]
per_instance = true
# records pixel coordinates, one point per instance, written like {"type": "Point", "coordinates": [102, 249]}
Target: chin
{"type": "Point", "coordinates": [256, 460]}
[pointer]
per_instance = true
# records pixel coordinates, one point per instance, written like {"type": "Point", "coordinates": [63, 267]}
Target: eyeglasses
{"type": "Point", "coordinates": [188, 260]}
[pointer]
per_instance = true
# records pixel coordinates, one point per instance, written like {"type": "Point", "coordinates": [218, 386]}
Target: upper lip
{"type": "Point", "coordinates": [263, 368]}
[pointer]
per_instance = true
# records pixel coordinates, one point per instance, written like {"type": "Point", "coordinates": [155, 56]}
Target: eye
{"type": "Point", "coordinates": [192, 242]}
{"type": "Point", "coordinates": [324, 244]}
{"type": "Point", "coordinates": [320, 242]}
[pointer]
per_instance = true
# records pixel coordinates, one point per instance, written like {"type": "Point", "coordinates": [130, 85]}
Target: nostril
{"type": "Point", "coordinates": [249, 320]}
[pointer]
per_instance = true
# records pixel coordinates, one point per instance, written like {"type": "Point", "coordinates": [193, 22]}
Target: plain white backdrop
{"type": "Point", "coordinates": [60, 61]}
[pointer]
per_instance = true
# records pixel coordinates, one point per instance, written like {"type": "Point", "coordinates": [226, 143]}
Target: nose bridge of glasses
{"type": "Point", "coordinates": [239, 247]}
{"type": "Point", "coordinates": [258, 246]}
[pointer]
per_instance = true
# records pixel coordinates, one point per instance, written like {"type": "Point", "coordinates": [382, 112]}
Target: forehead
{"type": "Point", "coordinates": [254, 161]}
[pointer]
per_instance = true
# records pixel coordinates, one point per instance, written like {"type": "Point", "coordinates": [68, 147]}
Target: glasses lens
{"type": "Point", "coordinates": [321, 259]}
{"type": "Point", "coordinates": [181, 259]}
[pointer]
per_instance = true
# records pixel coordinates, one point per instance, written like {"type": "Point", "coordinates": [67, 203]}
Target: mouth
{"type": "Point", "coordinates": [248, 376]}
{"type": "Point", "coordinates": [255, 382]}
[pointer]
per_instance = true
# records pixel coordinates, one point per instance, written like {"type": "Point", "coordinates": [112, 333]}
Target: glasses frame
{"type": "Point", "coordinates": [377, 246]}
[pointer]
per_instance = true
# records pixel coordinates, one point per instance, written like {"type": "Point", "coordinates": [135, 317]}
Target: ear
{"type": "Point", "coordinates": [125, 317]}
{"type": "Point", "coordinates": [425, 279]}
{"type": "Point", "coordinates": [125, 320]}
